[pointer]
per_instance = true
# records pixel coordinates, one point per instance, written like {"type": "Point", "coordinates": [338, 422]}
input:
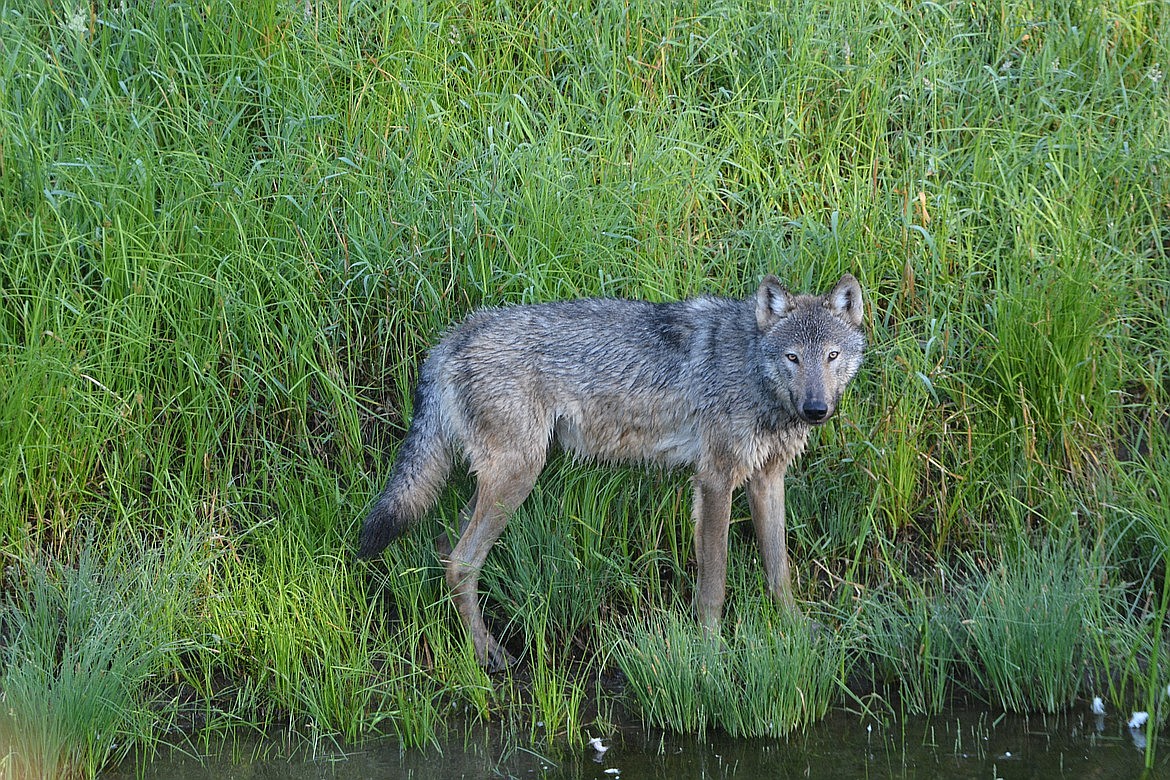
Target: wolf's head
{"type": "Point", "coordinates": [812, 345]}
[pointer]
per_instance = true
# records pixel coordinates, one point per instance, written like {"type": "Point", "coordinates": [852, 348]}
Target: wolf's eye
{"type": "Point", "coordinates": [792, 358]}
{"type": "Point", "coordinates": [833, 355]}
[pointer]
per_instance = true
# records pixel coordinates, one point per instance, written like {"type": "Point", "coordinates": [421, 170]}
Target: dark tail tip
{"type": "Point", "coordinates": [381, 527]}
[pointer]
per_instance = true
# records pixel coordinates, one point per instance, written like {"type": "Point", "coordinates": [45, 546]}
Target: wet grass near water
{"type": "Point", "coordinates": [230, 231]}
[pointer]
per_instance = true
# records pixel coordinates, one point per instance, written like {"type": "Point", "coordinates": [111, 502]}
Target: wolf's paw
{"type": "Point", "coordinates": [493, 657]}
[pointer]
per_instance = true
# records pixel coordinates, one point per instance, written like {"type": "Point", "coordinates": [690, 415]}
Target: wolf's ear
{"type": "Point", "coordinates": [773, 302]}
{"type": "Point", "coordinates": [844, 300]}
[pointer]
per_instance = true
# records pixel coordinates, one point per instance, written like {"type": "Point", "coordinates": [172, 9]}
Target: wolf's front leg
{"type": "Point", "coordinates": [712, 515]}
{"type": "Point", "coordinates": [765, 492]}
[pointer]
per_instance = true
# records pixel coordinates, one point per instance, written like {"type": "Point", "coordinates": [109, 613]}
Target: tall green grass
{"type": "Point", "coordinates": [770, 675]}
{"type": "Point", "coordinates": [80, 648]}
{"type": "Point", "coordinates": [1032, 631]}
{"type": "Point", "coordinates": [911, 643]}
{"type": "Point", "coordinates": [229, 231]}
{"type": "Point", "coordinates": [1026, 625]}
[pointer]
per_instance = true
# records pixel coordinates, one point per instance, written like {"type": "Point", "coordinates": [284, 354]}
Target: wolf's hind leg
{"type": "Point", "coordinates": [502, 486]}
{"type": "Point", "coordinates": [443, 542]}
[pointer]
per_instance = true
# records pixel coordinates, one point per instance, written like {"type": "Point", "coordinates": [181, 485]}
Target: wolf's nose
{"type": "Point", "coordinates": [815, 410]}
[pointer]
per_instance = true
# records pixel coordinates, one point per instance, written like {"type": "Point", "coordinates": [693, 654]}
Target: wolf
{"type": "Point", "coordinates": [728, 388]}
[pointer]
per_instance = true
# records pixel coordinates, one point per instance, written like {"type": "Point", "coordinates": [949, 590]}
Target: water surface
{"type": "Point", "coordinates": [962, 745]}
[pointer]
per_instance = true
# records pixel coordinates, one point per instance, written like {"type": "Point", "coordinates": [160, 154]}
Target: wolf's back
{"type": "Point", "coordinates": [420, 471]}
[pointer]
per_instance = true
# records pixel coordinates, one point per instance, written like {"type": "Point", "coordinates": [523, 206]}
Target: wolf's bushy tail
{"type": "Point", "coordinates": [419, 473]}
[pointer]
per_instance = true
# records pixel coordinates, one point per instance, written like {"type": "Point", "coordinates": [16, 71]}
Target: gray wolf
{"type": "Point", "coordinates": [729, 388]}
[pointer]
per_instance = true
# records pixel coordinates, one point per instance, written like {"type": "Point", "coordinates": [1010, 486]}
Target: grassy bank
{"type": "Point", "coordinates": [229, 232]}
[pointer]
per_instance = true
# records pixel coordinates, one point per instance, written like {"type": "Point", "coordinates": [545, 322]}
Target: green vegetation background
{"type": "Point", "coordinates": [229, 232]}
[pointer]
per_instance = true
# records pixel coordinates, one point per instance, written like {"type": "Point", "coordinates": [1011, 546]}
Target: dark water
{"type": "Point", "coordinates": [961, 745]}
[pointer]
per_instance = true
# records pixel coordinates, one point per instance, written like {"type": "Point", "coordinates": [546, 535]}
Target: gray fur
{"type": "Point", "coordinates": [729, 388]}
